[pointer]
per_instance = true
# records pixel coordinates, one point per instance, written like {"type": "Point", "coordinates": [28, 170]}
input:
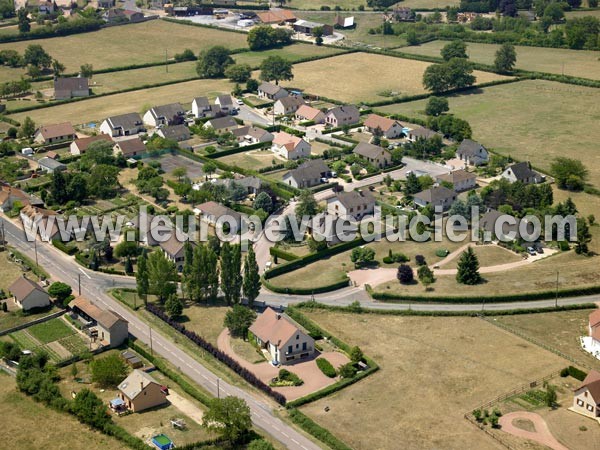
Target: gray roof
{"type": "Point", "coordinates": [269, 88]}
{"type": "Point", "coordinates": [168, 111]}
{"type": "Point", "coordinates": [217, 210]}
{"type": "Point", "coordinates": [51, 164]}
{"type": "Point", "coordinates": [369, 150]}
{"type": "Point", "coordinates": [291, 100]}
{"type": "Point", "coordinates": [314, 168]}
{"type": "Point", "coordinates": [353, 199]}
{"type": "Point", "coordinates": [202, 102]}
{"type": "Point", "coordinates": [222, 122]}
{"type": "Point", "coordinates": [255, 132]}
{"type": "Point", "coordinates": [423, 132]}
{"type": "Point", "coordinates": [469, 148]}
{"type": "Point", "coordinates": [224, 100]}
{"type": "Point", "coordinates": [125, 121]}
{"type": "Point", "coordinates": [345, 112]}
{"type": "Point", "coordinates": [23, 286]}
{"type": "Point", "coordinates": [177, 132]}
{"type": "Point", "coordinates": [135, 383]}
{"type": "Point", "coordinates": [249, 182]}
{"type": "Point", "coordinates": [436, 194]}
{"type": "Point", "coordinates": [522, 170]}
{"type": "Point", "coordinates": [457, 176]}
{"type": "Point", "coordinates": [71, 84]}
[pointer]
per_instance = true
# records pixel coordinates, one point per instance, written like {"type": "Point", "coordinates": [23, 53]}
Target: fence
{"type": "Point", "coordinates": [33, 322]}
{"type": "Point", "coordinates": [488, 432]}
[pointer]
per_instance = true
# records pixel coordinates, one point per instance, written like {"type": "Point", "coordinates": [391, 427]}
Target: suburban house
{"type": "Point", "coordinates": [287, 105]}
{"type": "Point", "coordinates": [290, 147]}
{"type": "Point", "coordinates": [307, 113]}
{"type": "Point", "coordinates": [51, 134]}
{"type": "Point", "coordinates": [176, 132]}
{"type": "Point", "coordinates": [437, 196]}
{"type": "Point", "coordinates": [277, 16]}
{"type": "Point", "coordinates": [375, 155]}
{"type": "Point", "coordinates": [174, 250]}
{"type": "Point", "coordinates": [342, 115]}
{"type": "Point", "coordinates": [129, 147]}
{"type": "Point", "coordinates": [50, 165]}
{"type": "Point", "coordinates": [28, 295]}
{"type": "Point", "coordinates": [225, 103]}
{"type": "Point", "coordinates": [222, 124]}
{"type": "Point", "coordinates": [331, 229]}
{"type": "Point", "coordinates": [308, 27]}
{"type": "Point", "coordinates": [211, 212]}
{"type": "Point", "coordinates": [253, 185]}
{"type": "Point", "coordinates": [594, 326]}
{"type": "Point", "coordinates": [122, 125]}
{"type": "Point", "coordinates": [521, 172]}
{"type": "Point", "coordinates": [307, 174]}
{"type": "Point", "coordinates": [104, 326]}
{"type": "Point", "coordinates": [171, 114]}
{"type": "Point", "coordinates": [140, 391]}
{"type": "Point", "coordinates": [271, 91]}
{"type": "Point", "coordinates": [421, 133]}
{"type": "Point", "coordinates": [586, 399]}
{"type": "Point", "coordinates": [283, 338]}
{"type": "Point", "coordinates": [201, 108]}
{"type": "Point", "coordinates": [133, 16]}
{"type": "Point", "coordinates": [496, 224]}
{"type": "Point", "coordinates": [472, 152]}
{"type": "Point", "coordinates": [353, 205]}
{"type": "Point", "coordinates": [71, 87]}
{"type": "Point", "coordinates": [389, 128]}
{"type": "Point", "coordinates": [79, 146]}
{"type": "Point", "coordinates": [461, 180]}
{"type": "Point", "coordinates": [10, 195]}
{"type": "Point", "coordinates": [37, 218]}
{"type": "Point", "coordinates": [252, 135]}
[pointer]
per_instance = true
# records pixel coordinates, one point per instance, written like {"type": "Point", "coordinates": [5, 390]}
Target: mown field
{"type": "Point", "coordinates": [530, 120]}
{"type": "Point", "coordinates": [578, 63]}
{"type": "Point", "coordinates": [129, 44]}
{"type": "Point", "coordinates": [354, 4]}
{"type": "Point", "coordinates": [433, 370]}
{"type": "Point", "coordinates": [349, 78]}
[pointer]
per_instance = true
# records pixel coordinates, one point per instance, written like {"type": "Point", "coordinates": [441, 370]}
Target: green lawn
{"type": "Point", "coordinates": [253, 159]}
{"type": "Point", "coordinates": [529, 120]}
{"type": "Point", "coordinates": [51, 330]}
{"type": "Point", "coordinates": [578, 63]}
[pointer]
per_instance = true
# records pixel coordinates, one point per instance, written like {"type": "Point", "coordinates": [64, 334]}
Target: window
{"type": "Point", "coordinates": [579, 402]}
{"type": "Point", "coordinates": [585, 394]}
{"type": "Point", "coordinates": [304, 346]}
{"type": "Point", "coordinates": [590, 408]}
{"type": "Point", "coordinates": [289, 349]}
{"type": "Point", "coordinates": [297, 346]}
{"type": "Point", "coordinates": [297, 336]}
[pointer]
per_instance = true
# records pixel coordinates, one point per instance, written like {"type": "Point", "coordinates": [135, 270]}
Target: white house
{"type": "Point", "coordinates": [287, 105]}
{"type": "Point", "coordinates": [353, 205]}
{"type": "Point", "coordinates": [285, 341]}
{"type": "Point", "coordinates": [521, 172]}
{"type": "Point", "coordinates": [586, 398]}
{"type": "Point", "coordinates": [290, 147]}
{"type": "Point", "coordinates": [122, 125]}
{"type": "Point", "coordinates": [472, 153]}
{"type": "Point", "coordinates": [390, 128]}
{"type": "Point", "coordinates": [270, 91]}
{"type": "Point", "coordinates": [202, 109]}
{"type": "Point", "coordinates": [225, 103]}
{"type": "Point", "coordinates": [28, 295]}
{"type": "Point", "coordinates": [307, 175]}
{"type": "Point", "coordinates": [171, 114]}
{"type": "Point", "coordinates": [252, 135]}
{"type": "Point", "coordinates": [461, 180]}
{"type": "Point", "coordinates": [222, 124]}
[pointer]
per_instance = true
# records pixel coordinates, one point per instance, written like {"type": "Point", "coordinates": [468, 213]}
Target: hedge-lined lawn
{"type": "Point", "coordinates": [51, 331]}
{"type": "Point", "coordinates": [488, 255]}
{"type": "Point", "coordinates": [532, 120]}
{"type": "Point", "coordinates": [452, 363]}
{"type": "Point", "coordinates": [96, 109]}
{"type": "Point", "coordinates": [341, 78]}
{"type": "Point", "coordinates": [253, 159]}
{"type": "Point", "coordinates": [206, 321]}
{"type": "Point", "coordinates": [129, 44]}
{"type": "Point", "coordinates": [578, 63]}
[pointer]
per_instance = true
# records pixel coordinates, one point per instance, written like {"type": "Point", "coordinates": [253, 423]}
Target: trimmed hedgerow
{"type": "Point", "coordinates": [317, 431]}
{"type": "Point", "coordinates": [326, 367]}
{"type": "Point", "coordinates": [307, 291]}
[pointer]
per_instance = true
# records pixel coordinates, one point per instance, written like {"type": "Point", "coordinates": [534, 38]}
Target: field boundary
{"type": "Point", "coordinates": [33, 322]}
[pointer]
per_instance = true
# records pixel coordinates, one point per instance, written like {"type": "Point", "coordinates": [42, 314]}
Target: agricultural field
{"type": "Point", "coordinates": [96, 109]}
{"type": "Point", "coordinates": [292, 53]}
{"type": "Point", "coordinates": [130, 44]}
{"type": "Point", "coordinates": [532, 120]}
{"type": "Point", "coordinates": [354, 4]}
{"type": "Point", "coordinates": [61, 431]}
{"type": "Point", "coordinates": [462, 362]}
{"type": "Point", "coordinates": [577, 63]}
{"type": "Point", "coordinates": [334, 80]}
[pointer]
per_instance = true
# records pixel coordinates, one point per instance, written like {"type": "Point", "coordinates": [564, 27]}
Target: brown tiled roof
{"type": "Point", "coordinates": [308, 112]}
{"type": "Point", "coordinates": [23, 286]}
{"type": "Point", "coordinates": [172, 245]}
{"type": "Point", "coordinates": [457, 176]}
{"type": "Point", "coordinates": [131, 146]}
{"type": "Point", "coordinates": [107, 318]}
{"type": "Point", "coordinates": [135, 383]}
{"type": "Point", "coordinates": [56, 130]}
{"type": "Point", "coordinates": [287, 140]}
{"type": "Point", "coordinates": [273, 327]}
{"type": "Point", "coordinates": [374, 121]}
{"type": "Point", "coordinates": [218, 210]}
{"type": "Point", "coordinates": [85, 142]}
{"type": "Point", "coordinates": [276, 16]}
{"type": "Point", "coordinates": [592, 384]}
{"type": "Point", "coordinates": [7, 192]}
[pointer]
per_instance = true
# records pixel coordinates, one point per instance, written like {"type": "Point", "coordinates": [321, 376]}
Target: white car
{"type": "Point", "coordinates": [239, 101]}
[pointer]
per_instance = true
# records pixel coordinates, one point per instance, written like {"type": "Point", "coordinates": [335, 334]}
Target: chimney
{"type": "Point", "coordinates": [278, 316]}
{"type": "Point", "coordinates": [141, 385]}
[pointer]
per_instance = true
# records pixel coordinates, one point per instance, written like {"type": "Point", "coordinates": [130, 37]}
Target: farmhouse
{"type": "Point", "coordinates": [521, 172]}
{"type": "Point", "coordinates": [290, 147]}
{"type": "Point", "coordinates": [51, 134]}
{"type": "Point", "coordinates": [504, 227]}
{"type": "Point", "coordinates": [308, 27]}
{"type": "Point", "coordinates": [586, 399]}
{"type": "Point", "coordinates": [171, 114]}
{"type": "Point", "coordinates": [252, 135]}
{"type": "Point", "coordinates": [307, 174]}
{"type": "Point", "coordinates": [342, 115]}
{"type": "Point", "coordinates": [140, 391]}
{"type": "Point", "coordinates": [225, 103]}
{"type": "Point", "coordinates": [106, 327]}
{"type": "Point", "coordinates": [421, 133]}
{"type": "Point", "coordinates": [129, 147]}
{"type": "Point", "coordinates": [37, 218]}
{"type": "Point", "coordinates": [375, 155]}
{"type": "Point", "coordinates": [222, 124]}
{"type": "Point", "coordinates": [79, 146]}
{"type": "Point", "coordinates": [277, 16]}
{"type": "Point", "coordinates": [215, 214]}
{"type": "Point", "coordinates": [70, 87]}
{"type": "Point", "coordinates": [281, 337]}
{"type": "Point", "coordinates": [287, 105]}
{"type": "Point", "coordinates": [28, 295]}
{"type": "Point", "coordinates": [472, 153]}
{"type": "Point", "coordinates": [50, 165]}
{"type": "Point", "coordinates": [308, 113]}
{"type": "Point", "coordinates": [437, 196]}
{"type": "Point", "coordinates": [390, 128]}
{"type": "Point", "coordinates": [176, 132]}
{"type": "Point", "coordinates": [122, 125]}
{"type": "Point", "coordinates": [461, 180]}
{"type": "Point", "coordinates": [353, 205]}
{"type": "Point", "coordinates": [271, 91]}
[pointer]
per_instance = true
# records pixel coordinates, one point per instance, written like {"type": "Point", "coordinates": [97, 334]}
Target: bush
{"type": "Point", "coordinates": [420, 260]}
{"type": "Point", "coordinates": [287, 378]}
{"type": "Point", "coordinates": [348, 371]}
{"type": "Point", "coordinates": [326, 367]}
{"type": "Point", "coordinates": [574, 372]}
{"type": "Point", "coordinates": [405, 274]}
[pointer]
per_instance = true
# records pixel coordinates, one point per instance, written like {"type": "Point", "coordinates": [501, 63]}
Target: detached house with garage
{"type": "Point", "coordinates": [139, 392]}
{"type": "Point", "coordinates": [252, 135]}
{"type": "Point", "coordinates": [472, 153]}
{"type": "Point", "coordinates": [390, 128]}
{"type": "Point", "coordinates": [122, 125]}
{"type": "Point", "coordinates": [222, 124]}
{"type": "Point", "coordinates": [375, 155]}
{"type": "Point", "coordinates": [27, 294]}
{"type": "Point", "coordinates": [174, 250]}
{"type": "Point", "coordinates": [307, 113]}
{"type": "Point", "coordinates": [202, 109]}
{"type": "Point", "coordinates": [283, 338]}
{"type": "Point", "coordinates": [521, 172]}
{"type": "Point", "coordinates": [586, 398]}
{"type": "Point", "coordinates": [71, 87]}
{"type": "Point", "coordinates": [51, 134]}
{"type": "Point", "coordinates": [79, 146]}
{"type": "Point", "coordinates": [287, 105]}
{"type": "Point", "coordinates": [437, 196]}
{"type": "Point", "coordinates": [225, 103]}
{"type": "Point", "coordinates": [290, 147]}
{"type": "Point", "coordinates": [129, 148]}
{"type": "Point", "coordinates": [270, 91]}
{"type": "Point", "coordinates": [307, 175]}
{"type": "Point", "coordinates": [461, 180]}
{"type": "Point", "coordinates": [421, 133]}
{"type": "Point", "coordinates": [104, 326]}
{"type": "Point", "coordinates": [171, 114]}
{"type": "Point", "coordinates": [342, 115]}
{"type": "Point", "coordinates": [353, 205]}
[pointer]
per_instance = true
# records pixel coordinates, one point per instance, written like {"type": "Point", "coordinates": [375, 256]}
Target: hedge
{"type": "Point", "coordinates": [323, 187]}
{"type": "Point", "coordinates": [317, 431]}
{"type": "Point", "coordinates": [233, 151]}
{"type": "Point", "coordinates": [64, 248]}
{"type": "Point", "coordinates": [574, 372]}
{"type": "Point", "coordinates": [326, 367]}
{"type": "Point", "coordinates": [287, 256]}
{"type": "Point", "coordinates": [218, 354]}
{"type": "Point", "coordinates": [306, 291]}
{"type": "Point", "coordinates": [305, 260]}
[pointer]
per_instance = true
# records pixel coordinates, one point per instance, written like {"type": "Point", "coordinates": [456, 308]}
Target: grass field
{"type": "Point", "coordinates": [51, 331]}
{"type": "Point", "coordinates": [488, 255]}
{"type": "Point", "coordinates": [342, 79]}
{"type": "Point", "coordinates": [33, 426]}
{"type": "Point", "coordinates": [10, 271]}
{"type": "Point", "coordinates": [535, 120]}
{"type": "Point", "coordinates": [129, 44]}
{"type": "Point", "coordinates": [96, 109]}
{"type": "Point", "coordinates": [254, 159]}
{"type": "Point", "coordinates": [206, 321]}
{"type": "Point", "coordinates": [460, 363]}
{"type": "Point", "coordinates": [578, 63]}
{"type": "Point", "coordinates": [354, 4]}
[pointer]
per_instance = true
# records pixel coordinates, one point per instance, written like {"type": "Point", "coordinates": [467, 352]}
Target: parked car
{"type": "Point", "coordinates": [324, 180]}
{"type": "Point", "coordinates": [239, 101]}
{"type": "Point", "coordinates": [531, 251]}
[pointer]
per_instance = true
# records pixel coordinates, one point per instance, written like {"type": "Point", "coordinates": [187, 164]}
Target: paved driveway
{"type": "Point", "coordinates": [541, 434]}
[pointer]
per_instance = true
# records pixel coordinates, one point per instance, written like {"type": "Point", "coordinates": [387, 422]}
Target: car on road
{"type": "Point", "coordinates": [239, 101]}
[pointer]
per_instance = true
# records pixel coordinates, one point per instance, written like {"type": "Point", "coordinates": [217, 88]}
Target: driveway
{"type": "Point", "coordinates": [185, 406]}
{"type": "Point", "coordinates": [307, 370]}
{"type": "Point", "coordinates": [541, 434]}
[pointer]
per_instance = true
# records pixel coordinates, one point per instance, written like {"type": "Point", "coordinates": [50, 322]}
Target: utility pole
{"type": "Point", "coordinates": [556, 297]}
{"type": "Point", "coordinates": [2, 235]}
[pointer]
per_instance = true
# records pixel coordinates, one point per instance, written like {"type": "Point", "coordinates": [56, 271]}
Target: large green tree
{"type": "Point", "coordinates": [275, 68]}
{"type": "Point", "coordinates": [307, 205]}
{"type": "Point", "coordinates": [454, 49]}
{"type": "Point", "coordinates": [436, 106]}
{"type": "Point", "coordinates": [569, 173]}
{"type": "Point", "coordinates": [238, 319]}
{"type": "Point", "coordinates": [229, 417]}
{"type": "Point", "coordinates": [231, 272]}
{"type": "Point", "coordinates": [141, 276]}
{"type": "Point", "coordinates": [240, 73]}
{"type": "Point", "coordinates": [213, 62]}
{"type": "Point", "coordinates": [251, 282]}
{"type": "Point", "coordinates": [506, 58]}
{"type": "Point", "coordinates": [453, 74]}
{"type": "Point", "coordinates": [36, 56]}
{"type": "Point", "coordinates": [162, 276]}
{"type": "Point", "coordinates": [468, 268]}
{"type": "Point", "coordinates": [108, 371]}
